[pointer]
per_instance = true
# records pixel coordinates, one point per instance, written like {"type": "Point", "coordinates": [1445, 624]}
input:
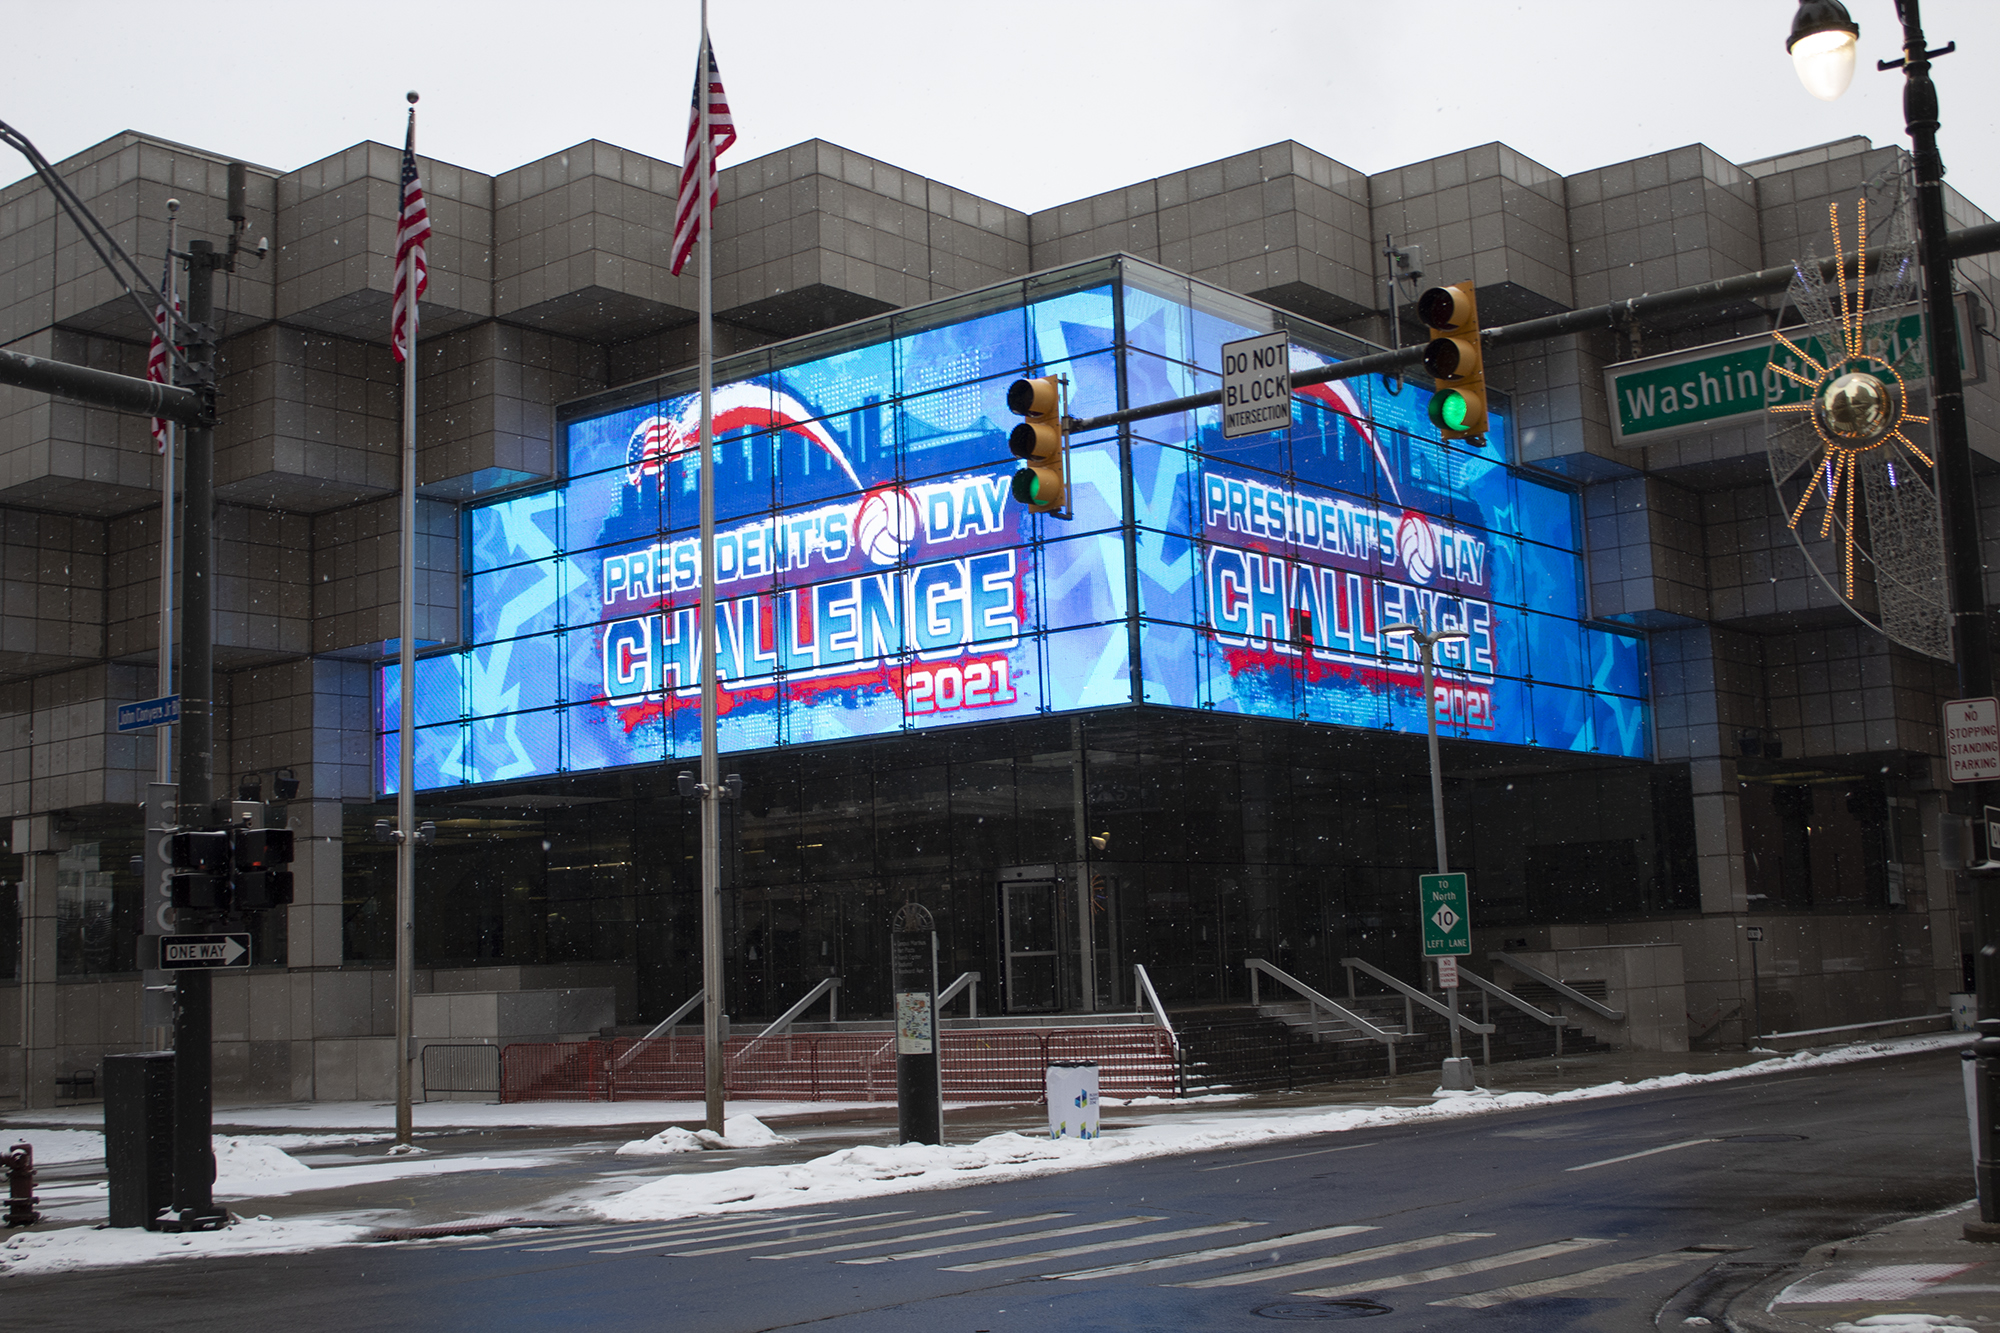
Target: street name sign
{"type": "Point", "coordinates": [1443, 906]}
{"type": "Point", "coordinates": [1972, 739]}
{"type": "Point", "coordinates": [151, 713]}
{"type": "Point", "coordinates": [1728, 383]}
{"type": "Point", "coordinates": [1256, 385]}
{"type": "Point", "coordinates": [190, 951]}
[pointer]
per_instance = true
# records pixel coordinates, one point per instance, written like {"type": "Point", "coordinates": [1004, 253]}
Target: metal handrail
{"type": "Point", "coordinates": [1569, 993]}
{"type": "Point", "coordinates": [1502, 993]}
{"type": "Point", "coordinates": [828, 986]}
{"type": "Point", "coordinates": [1152, 997]}
{"type": "Point", "coordinates": [1410, 992]}
{"type": "Point", "coordinates": [660, 1028]}
{"type": "Point", "coordinates": [1347, 1016]}
{"type": "Point", "coordinates": [950, 993]}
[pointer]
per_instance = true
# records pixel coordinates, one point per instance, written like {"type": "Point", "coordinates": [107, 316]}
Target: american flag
{"type": "Point", "coordinates": [413, 228]}
{"type": "Point", "coordinates": [156, 355]}
{"type": "Point", "coordinates": [721, 133]}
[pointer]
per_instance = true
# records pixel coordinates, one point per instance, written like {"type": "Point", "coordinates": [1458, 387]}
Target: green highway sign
{"type": "Point", "coordinates": [1726, 383]}
{"type": "Point", "coordinates": [1445, 909]}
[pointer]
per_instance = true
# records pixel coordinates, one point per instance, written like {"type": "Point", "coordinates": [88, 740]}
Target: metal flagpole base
{"type": "Point", "coordinates": [1456, 1076]}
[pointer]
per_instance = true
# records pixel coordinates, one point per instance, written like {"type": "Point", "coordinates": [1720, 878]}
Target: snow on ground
{"type": "Point", "coordinates": [738, 1131]}
{"type": "Point", "coordinates": [869, 1172]}
{"type": "Point", "coordinates": [1901, 1323]}
{"type": "Point", "coordinates": [88, 1247]}
{"type": "Point", "coordinates": [58, 1145]}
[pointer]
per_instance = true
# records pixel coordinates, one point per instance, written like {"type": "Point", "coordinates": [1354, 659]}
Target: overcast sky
{"type": "Point", "coordinates": [1103, 92]}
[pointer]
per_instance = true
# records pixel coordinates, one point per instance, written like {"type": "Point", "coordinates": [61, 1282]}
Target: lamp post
{"type": "Point", "coordinates": [1822, 45]}
{"type": "Point", "coordinates": [1457, 1070]}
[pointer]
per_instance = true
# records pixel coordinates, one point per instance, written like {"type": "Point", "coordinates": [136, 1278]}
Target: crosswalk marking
{"type": "Point", "coordinates": [1468, 1266]}
{"type": "Point", "coordinates": [1288, 1157]}
{"type": "Point", "coordinates": [987, 1244]}
{"type": "Point", "coordinates": [686, 1230]}
{"type": "Point", "coordinates": [948, 1231]}
{"type": "Point", "coordinates": [1635, 1156]}
{"type": "Point", "coordinates": [1337, 1260]}
{"type": "Point", "coordinates": [575, 1237]}
{"type": "Point", "coordinates": [1123, 1243]}
{"type": "Point", "coordinates": [1590, 1277]}
{"type": "Point", "coordinates": [903, 1219]}
{"type": "Point", "coordinates": [1268, 1243]}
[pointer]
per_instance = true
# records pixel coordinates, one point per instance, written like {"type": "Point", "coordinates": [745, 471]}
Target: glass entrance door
{"type": "Point", "coordinates": [1028, 939]}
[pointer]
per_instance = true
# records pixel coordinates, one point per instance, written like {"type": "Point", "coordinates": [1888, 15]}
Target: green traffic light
{"type": "Point", "coordinates": [1027, 487]}
{"type": "Point", "coordinates": [1449, 410]}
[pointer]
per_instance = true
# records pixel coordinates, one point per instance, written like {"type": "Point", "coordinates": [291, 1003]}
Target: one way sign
{"type": "Point", "coordinates": [185, 951]}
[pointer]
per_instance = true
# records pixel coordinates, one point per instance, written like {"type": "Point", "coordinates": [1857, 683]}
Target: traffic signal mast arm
{"type": "Point", "coordinates": [1983, 239]}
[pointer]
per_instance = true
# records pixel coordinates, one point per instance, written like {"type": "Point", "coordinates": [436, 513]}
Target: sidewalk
{"type": "Point", "coordinates": [1915, 1275]}
{"type": "Point", "coordinates": [304, 1175]}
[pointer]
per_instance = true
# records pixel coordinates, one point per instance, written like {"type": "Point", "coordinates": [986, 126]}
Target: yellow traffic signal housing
{"type": "Point", "coordinates": [1042, 444]}
{"type": "Point", "coordinates": [1454, 358]}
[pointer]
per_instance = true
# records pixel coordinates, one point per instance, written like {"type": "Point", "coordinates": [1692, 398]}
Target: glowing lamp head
{"type": "Point", "coordinates": [1857, 406]}
{"type": "Point", "coordinates": [1822, 45]}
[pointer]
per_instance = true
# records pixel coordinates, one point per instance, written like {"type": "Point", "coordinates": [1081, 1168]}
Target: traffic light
{"type": "Point", "coordinates": [200, 881]}
{"type": "Point", "coordinates": [260, 881]}
{"type": "Point", "coordinates": [1041, 442]}
{"type": "Point", "coordinates": [1458, 406]}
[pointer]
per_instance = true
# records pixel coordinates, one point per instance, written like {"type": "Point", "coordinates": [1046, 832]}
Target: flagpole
{"type": "Point", "coordinates": [406, 659]}
{"type": "Point", "coordinates": [711, 778]}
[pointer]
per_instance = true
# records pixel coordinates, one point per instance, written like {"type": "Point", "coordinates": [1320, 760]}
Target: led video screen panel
{"type": "Point", "coordinates": [874, 573]}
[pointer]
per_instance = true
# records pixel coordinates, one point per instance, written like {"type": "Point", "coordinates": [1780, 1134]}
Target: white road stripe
{"type": "Point", "coordinates": [1289, 1157]}
{"type": "Point", "coordinates": [1123, 1243]}
{"type": "Point", "coordinates": [991, 1241]}
{"type": "Point", "coordinates": [1268, 1244]}
{"type": "Point", "coordinates": [903, 1219]}
{"type": "Point", "coordinates": [948, 1231]}
{"type": "Point", "coordinates": [705, 1229]}
{"type": "Point", "coordinates": [1526, 1256]}
{"type": "Point", "coordinates": [1337, 1260]}
{"type": "Point", "coordinates": [572, 1237]}
{"type": "Point", "coordinates": [1590, 1277]}
{"type": "Point", "coordinates": [1635, 1156]}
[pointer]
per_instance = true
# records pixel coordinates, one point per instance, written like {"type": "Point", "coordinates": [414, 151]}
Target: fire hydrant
{"type": "Point", "coordinates": [21, 1200]}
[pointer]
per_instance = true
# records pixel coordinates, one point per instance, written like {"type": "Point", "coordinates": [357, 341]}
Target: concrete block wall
{"type": "Point", "coordinates": [53, 571]}
{"type": "Point", "coordinates": [1647, 558]}
{"type": "Point", "coordinates": [58, 745]}
{"type": "Point", "coordinates": [355, 561]}
{"type": "Point", "coordinates": [486, 406]}
{"type": "Point", "coordinates": [314, 421]}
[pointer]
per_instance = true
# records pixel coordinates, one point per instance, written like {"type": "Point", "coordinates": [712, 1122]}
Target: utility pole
{"type": "Point", "coordinates": [194, 1157]}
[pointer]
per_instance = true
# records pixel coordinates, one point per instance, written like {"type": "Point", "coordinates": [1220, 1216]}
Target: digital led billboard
{"type": "Point", "coordinates": [874, 573]}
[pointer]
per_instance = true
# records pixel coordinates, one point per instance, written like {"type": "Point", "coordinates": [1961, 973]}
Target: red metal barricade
{"type": "Point", "coordinates": [978, 1064]}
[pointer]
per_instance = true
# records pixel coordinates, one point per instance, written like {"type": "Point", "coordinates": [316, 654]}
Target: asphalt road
{"type": "Point", "coordinates": [1623, 1214]}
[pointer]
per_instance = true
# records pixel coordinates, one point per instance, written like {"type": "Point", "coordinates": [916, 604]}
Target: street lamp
{"type": "Point", "coordinates": [1822, 45]}
{"type": "Point", "coordinates": [1458, 1070]}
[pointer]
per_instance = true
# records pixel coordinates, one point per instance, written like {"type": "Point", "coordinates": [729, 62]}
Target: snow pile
{"type": "Point", "coordinates": [1901, 1323]}
{"type": "Point", "coordinates": [88, 1247]}
{"type": "Point", "coordinates": [738, 1131]}
{"type": "Point", "coordinates": [243, 1163]}
{"type": "Point", "coordinates": [672, 1139]}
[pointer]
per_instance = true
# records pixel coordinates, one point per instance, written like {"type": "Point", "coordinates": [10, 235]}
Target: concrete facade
{"type": "Point", "coordinates": [549, 281]}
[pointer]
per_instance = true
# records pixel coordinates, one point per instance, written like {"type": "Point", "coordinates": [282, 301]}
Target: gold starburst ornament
{"type": "Point", "coordinates": [1845, 450]}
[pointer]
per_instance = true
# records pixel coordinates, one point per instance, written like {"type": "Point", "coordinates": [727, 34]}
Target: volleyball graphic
{"type": "Point", "coordinates": [1417, 547]}
{"type": "Point", "coordinates": [886, 525]}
